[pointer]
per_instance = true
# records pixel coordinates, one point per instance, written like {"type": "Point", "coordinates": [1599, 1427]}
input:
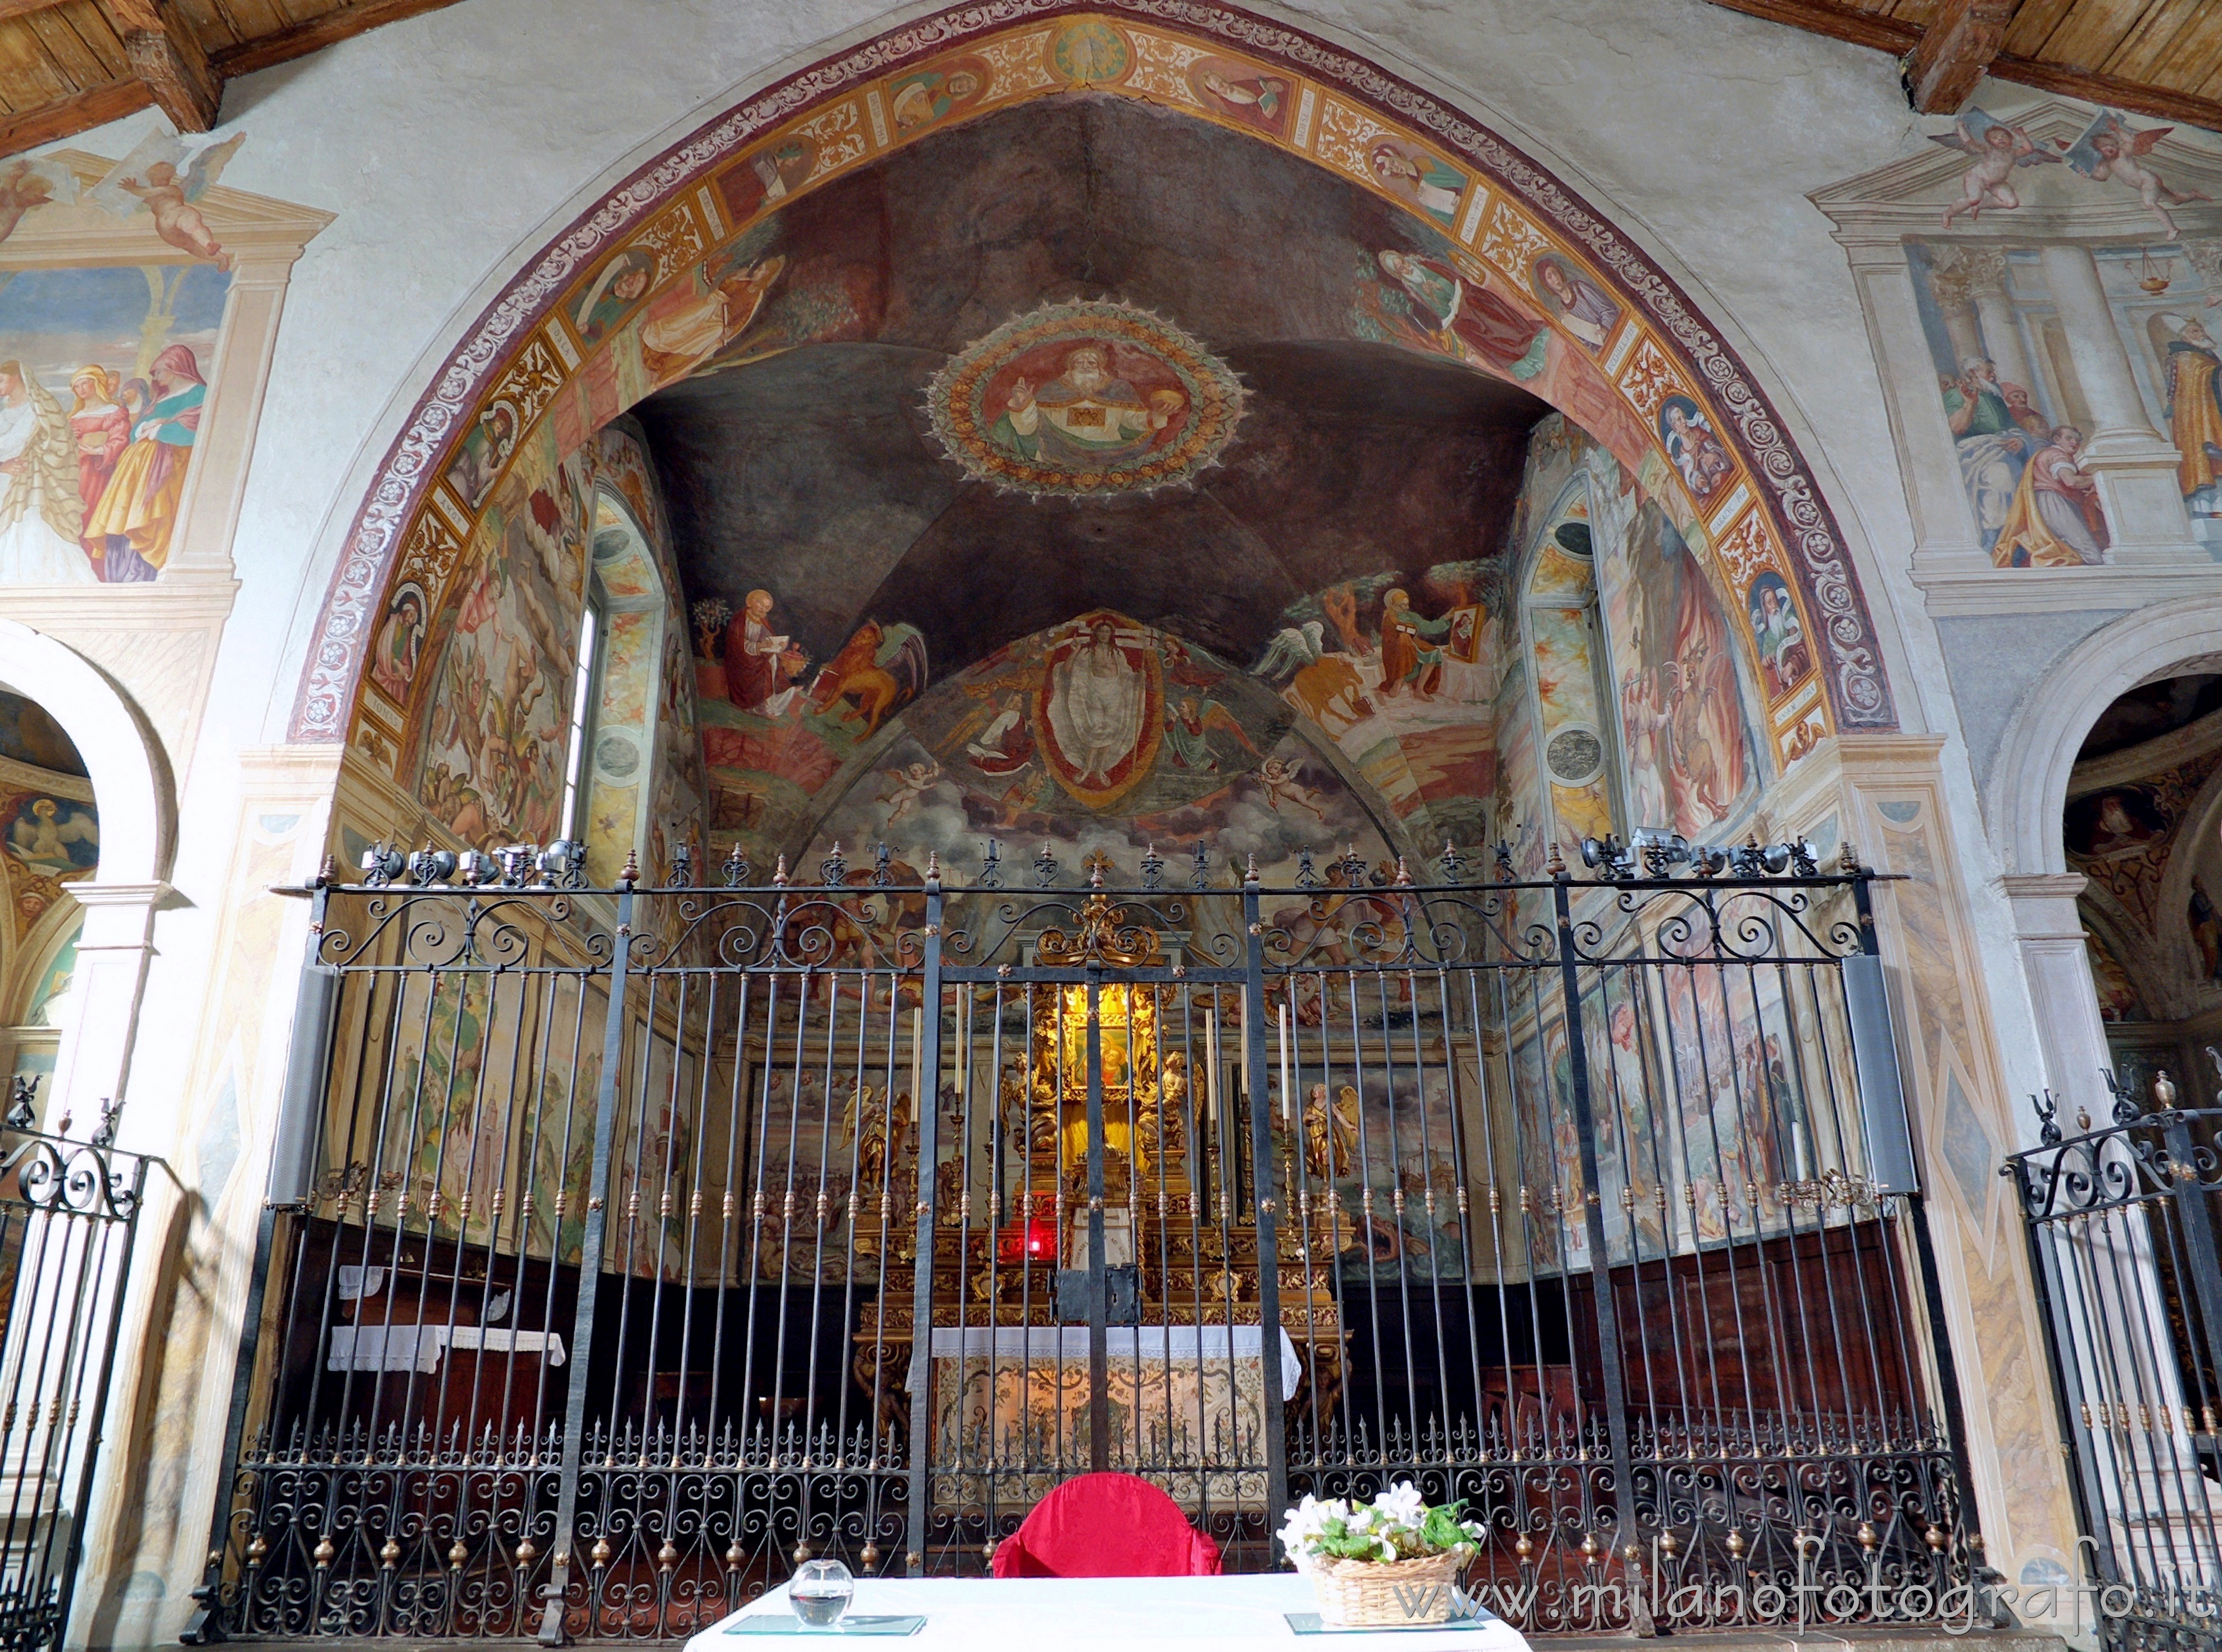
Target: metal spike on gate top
{"type": "Point", "coordinates": [883, 867]}
{"type": "Point", "coordinates": [1352, 865]}
{"type": "Point", "coordinates": [778, 872]}
{"type": "Point", "coordinates": [1307, 877]}
{"type": "Point", "coordinates": [736, 867]}
{"type": "Point", "coordinates": [1153, 868]}
{"type": "Point", "coordinates": [991, 864]}
{"type": "Point", "coordinates": [1045, 867]}
{"type": "Point", "coordinates": [833, 870]}
{"type": "Point", "coordinates": [1249, 872]}
{"type": "Point", "coordinates": [1200, 868]}
{"type": "Point", "coordinates": [1452, 863]}
{"type": "Point", "coordinates": [1556, 866]}
{"type": "Point", "coordinates": [632, 873]}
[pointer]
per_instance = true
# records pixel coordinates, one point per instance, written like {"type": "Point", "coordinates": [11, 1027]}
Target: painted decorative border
{"type": "Point", "coordinates": [499, 340]}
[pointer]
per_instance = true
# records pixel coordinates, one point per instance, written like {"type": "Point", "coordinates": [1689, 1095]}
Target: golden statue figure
{"type": "Point", "coordinates": [1331, 1133]}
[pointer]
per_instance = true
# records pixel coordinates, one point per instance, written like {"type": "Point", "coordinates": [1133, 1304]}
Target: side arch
{"type": "Point", "coordinates": [2027, 787]}
{"type": "Point", "coordinates": [530, 360]}
{"type": "Point", "coordinates": [131, 775]}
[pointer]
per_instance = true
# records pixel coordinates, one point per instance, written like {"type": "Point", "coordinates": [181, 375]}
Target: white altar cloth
{"type": "Point", "coordinates": [418, 1347]}
{"type": "Point", "coordinates": [1229, 1614]}
{"type": "Point", "coordinates": [1045, 1345]}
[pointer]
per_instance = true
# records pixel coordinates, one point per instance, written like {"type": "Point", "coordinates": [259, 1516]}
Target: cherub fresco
{"type": "Point", "coordinates": [164, 178]}
{"type": "Point", "coordinates": [25, 185]}
{"type": "Point", "coordinates": [1996, 149]}
{"type": "Point", "coordinates": [2111, 151]}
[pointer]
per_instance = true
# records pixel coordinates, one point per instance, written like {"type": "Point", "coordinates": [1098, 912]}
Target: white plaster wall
{"type": "Point", "coordinates": [452, 146]}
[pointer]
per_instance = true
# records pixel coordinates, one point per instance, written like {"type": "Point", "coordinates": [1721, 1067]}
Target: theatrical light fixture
{"type": "Point", "coordinates": [477, 867]}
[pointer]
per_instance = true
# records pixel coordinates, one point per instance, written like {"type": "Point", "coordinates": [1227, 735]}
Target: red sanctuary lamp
{"type": "Point", "coordinates": [1030, 1239]}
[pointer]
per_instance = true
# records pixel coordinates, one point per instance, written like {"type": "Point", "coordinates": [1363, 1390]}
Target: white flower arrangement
{"type": "Point", "coordinates": [1397, 1525]}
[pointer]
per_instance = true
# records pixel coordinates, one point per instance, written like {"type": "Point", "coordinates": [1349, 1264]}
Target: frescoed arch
{"type": "Point", "coordinates": [608, 313]}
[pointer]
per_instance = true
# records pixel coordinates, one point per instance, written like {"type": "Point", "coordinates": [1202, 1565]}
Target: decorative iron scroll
{"type": "Point", "coordinates": [642, 1230]}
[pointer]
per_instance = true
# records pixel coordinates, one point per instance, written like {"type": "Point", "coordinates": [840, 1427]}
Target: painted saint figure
{"type": "Point", "coordinates": [1582, 310]}
{"type": "Point", "coordinates": [760, 666]}
{"type": "Point", "coordinates": [1697, 452]}
{"type": "Point", "coordinates": [1188, 732]}
{"type": "Point", "coordinates": [400, 642]}
{"type": "Point", "coordinates": [2055, 520]}
{"type": "Point", "coordinates": [2194, 398]}
{"type": "Point", "coordinates": [1780, 640]}
{"type": "Point", "coordinates": [1993, 445]}
{"type": "Point", "coordinates": [1083, 418]}
{"type": "Point", "coordinates": [41, 514]}
{"type": "Point", "coordinates": [103, 430]}
{"type": "Point", "coordinates": [681, 334]}
{"type": "Point", "coordinates": [1473, 324]}
{"type": "Point", "coordinates": [1095, 704]}
{"type": "Point", "coordinates": [1434, 187]}
{"type": "Point", "coordinates": [139, 507]}
{"type": "Point", "coordinates": [1411, 650]}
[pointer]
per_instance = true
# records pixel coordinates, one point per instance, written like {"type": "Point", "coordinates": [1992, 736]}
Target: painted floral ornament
{"type": "Point", "coordinates": [1083, 399]}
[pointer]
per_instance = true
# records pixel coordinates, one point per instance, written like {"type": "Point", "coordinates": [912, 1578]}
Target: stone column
{"type": "Point", "coordinates": [112, 954]}
{"type": "Point", "coordinates": [236, 371]}
{"type": "Point", "coordinates": [1944, 536]}
{"type": "Point", "coordinates": [2056, 961]}
{"type": "Point", "coordinates": [2134, 464]}
{"type": "Point", "coordinates": [1952, 279]}
{"type": "Point", "coordinates": [1987, 291]}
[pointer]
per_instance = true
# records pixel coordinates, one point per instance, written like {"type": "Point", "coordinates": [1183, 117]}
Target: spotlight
{"type": "Point", "coordinates": [432, 866]}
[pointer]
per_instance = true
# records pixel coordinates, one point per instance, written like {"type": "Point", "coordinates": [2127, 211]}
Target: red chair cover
{"type": "Point", "coordinates": [1106, 1526]}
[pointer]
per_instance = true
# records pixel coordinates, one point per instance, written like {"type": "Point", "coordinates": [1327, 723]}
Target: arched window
{"type": "Point", "coordinates": [619, 689]}
{"type": "Point", "coordinates": [1567, 670]}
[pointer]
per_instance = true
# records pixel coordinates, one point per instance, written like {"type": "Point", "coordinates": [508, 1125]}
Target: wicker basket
{"type": "Point", "coordinates": [1373, 1594]}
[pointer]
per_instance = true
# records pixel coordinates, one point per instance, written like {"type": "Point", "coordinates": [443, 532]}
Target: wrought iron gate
{"type": "Point", "coordinates": [624, 1245]}
{"type": "Point", "coordinates": [2120, 1217]}
{"type": "Point", "coordinates": [69, 1212]}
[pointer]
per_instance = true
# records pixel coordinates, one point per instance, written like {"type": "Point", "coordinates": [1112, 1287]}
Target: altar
{"type": "Point", "coordinates": [1008, 1407]}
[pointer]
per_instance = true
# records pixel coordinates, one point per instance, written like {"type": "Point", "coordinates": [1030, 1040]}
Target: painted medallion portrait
{"type": "Point", "coordinates": [1084, 400]}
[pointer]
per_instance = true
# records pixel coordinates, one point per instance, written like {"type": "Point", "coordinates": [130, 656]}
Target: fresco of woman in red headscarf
{"type": "Point", "coordinates": [138, 510]}
{"type": "Point", "coordinates": [103, 430]}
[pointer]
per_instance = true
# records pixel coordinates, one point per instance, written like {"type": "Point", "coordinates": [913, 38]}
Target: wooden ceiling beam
{"type": "Point", "coordinates": [1955, 50]}
{"type": "Point", "coordinates": [1888, 35]}
{"type": "Point", "coordinates": [165, 55]}
{"type": "Point", "coordinates": [24, 8]}
{"type": "Point", "coordinates": [95, 107]}
{"type": "Point", "coordinates": [267, 51]}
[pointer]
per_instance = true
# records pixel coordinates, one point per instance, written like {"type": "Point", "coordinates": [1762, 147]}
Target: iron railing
{"type": "Point", "coordinates": [69, 1213]}
{"type": "Point", "coordinates": [624, 1245]}
{"type": "Point", "coordinates": [2120, 1218]}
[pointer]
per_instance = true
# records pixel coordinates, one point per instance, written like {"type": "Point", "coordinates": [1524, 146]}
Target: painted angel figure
{"type": "Point", "coordinates": [164, 178]}
{"type": "Point", "coordinates": [2112, 151]}
{"type": "Point", "coordinates": [27, 183]}
{"type": "Point", "coordinates": [913, 781]}
{"type": "Point", "coordinates": [1997, 149]}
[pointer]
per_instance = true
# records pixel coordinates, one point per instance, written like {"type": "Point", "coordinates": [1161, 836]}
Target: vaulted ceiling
{"type": "Point", "coordinates": [814, 472]}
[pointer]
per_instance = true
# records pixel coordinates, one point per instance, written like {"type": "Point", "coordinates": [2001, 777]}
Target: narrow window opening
{"type": "Point", "coordinates": [582, 704]}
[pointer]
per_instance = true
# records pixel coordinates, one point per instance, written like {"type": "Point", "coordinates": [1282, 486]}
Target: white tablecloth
{"type": "Point", "coordinates": [1027, 1614]}
{"type": "Point", "coordinates": [418, 1347]}
{"type": "Point", "coordinates": [1045, 1345]}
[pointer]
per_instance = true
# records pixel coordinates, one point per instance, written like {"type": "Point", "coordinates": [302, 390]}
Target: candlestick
{"type": "Point", "coordinates": [1284, 1063]}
